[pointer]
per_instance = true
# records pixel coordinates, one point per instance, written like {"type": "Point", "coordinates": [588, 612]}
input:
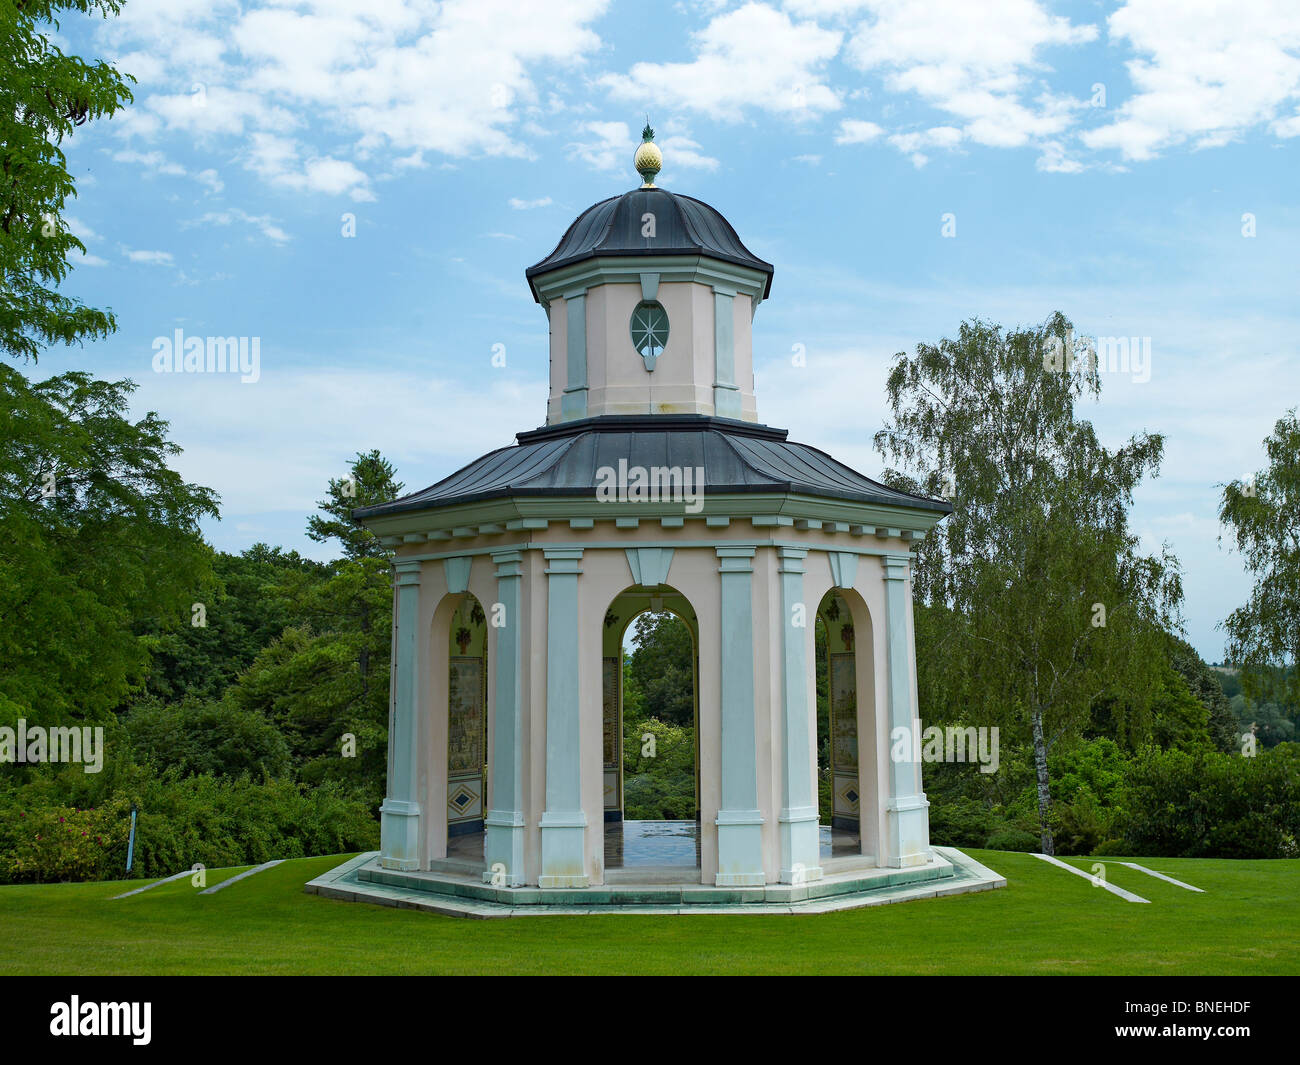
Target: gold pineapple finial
{"type": "Point", "coordinates": [649, 160]}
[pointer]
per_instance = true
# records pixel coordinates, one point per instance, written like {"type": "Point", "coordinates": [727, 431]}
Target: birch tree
{"type": "Point", "coordinates": [1263, 515]}
{"type": "Point", "coordinates": [1036, 597]}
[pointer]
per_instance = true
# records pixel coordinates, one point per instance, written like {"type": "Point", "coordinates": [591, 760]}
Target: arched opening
{"type": "Point", "coordinates": [839, 787]}
{"type": "Point", "coordinates": [466, 754]}
{"type": "Point", "coordinates": [651, 739]}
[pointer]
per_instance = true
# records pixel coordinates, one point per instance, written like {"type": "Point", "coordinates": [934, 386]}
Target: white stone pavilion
{"type": "Point", "coordinates": [652, 485]}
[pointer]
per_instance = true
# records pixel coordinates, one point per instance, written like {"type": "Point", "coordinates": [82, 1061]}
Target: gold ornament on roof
{"type": "Point", "coordinates": [649, 160]}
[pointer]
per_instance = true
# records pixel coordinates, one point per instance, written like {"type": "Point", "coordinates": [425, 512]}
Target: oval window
{"type": "Point", "coordinates": [649, 331]}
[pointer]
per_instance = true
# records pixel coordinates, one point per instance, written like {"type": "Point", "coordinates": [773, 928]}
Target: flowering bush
{"type": "Point", "coordinates": [55, 843]}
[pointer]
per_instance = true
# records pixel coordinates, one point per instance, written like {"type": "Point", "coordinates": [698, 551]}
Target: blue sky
{"type": "Point", "coordinates": [1098, 158]}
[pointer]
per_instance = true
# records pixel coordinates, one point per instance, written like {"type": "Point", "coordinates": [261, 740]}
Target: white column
{"type": "Point", "coordinates": [907, 817]}
{"type": "Point", "coordinates": [740, 824]}
{"type": "Point", "coordinates": [800, 836]}
{"type": "Point", "coordinates": [504, 823]}
{"type": "Point", "coordinates": [399, 821]}
{"type": "Point", "coordinates": [564, 824]}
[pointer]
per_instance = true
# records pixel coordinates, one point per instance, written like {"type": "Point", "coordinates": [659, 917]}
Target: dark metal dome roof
{"type": "Point", "coordinates": [683, 226]}
{"type": "Point", "coordinates": [562, 460]}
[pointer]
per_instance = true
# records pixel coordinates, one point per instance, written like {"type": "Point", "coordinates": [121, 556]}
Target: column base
{"type": "Point", "coordinates": [503, 848]}
{"type": "Point", "coordinates": [740, 849]}
{"type": "Point", "coordinates": [573, 404]}
{"type": "Point", "coordinates": [800, 845]}
{"type": "Point", "coordinates": [564, 863]}
{"type": "Point", "coordinates": [727, 402]}
{"type": "Point", "coordinates": [907, 828]}
{"type": "Point", "coordinates": [399, 835]}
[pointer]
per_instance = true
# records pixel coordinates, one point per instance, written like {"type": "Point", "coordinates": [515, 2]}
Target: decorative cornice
{"type": "Point", "coordinates": [627, 270]}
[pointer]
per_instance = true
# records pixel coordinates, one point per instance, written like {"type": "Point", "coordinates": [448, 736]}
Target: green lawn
{"type": "Point", "coordinates": [1044, 921]}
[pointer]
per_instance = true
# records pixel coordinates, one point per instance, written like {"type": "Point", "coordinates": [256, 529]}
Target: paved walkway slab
{"type": "Point", "coordinates": [164, 880]}
{"type": "Point", "coordinates": [1161, 876]}
{"type": "Point", "coordinates": [240, 876]}
{"type": "Point", "coordinates": [1128, 896]}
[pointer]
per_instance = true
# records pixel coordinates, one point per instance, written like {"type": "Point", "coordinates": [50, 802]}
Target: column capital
{"type": "Point", "coordinates": [407, 571]}
{"type": "Point", "coordinates": [735, 559]}
{"type": "Point", "coordinates": [563, 560]}
{"type": "Point", "coordinates": [791, 559]}
{"type": "Point", "coordinates": [896, 567]}
{"type": "Point", "coordinates": [509, 562]}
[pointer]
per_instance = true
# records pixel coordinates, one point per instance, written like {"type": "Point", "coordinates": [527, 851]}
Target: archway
{"type": "Point", "coordinates": [650, 680]}
{"type": "Point", "coordinates": [466, 753]}
{"type": "Point", "coordinates": [840, 791]}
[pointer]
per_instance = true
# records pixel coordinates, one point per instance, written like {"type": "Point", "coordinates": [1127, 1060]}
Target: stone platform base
{"type": "Point", "coordinates": [465, 895]}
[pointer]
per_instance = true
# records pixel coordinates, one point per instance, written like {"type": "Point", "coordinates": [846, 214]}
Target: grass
{"type": "Point", "coordinates": [1044, 921]}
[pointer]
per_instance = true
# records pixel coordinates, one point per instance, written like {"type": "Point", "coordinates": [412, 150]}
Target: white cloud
{"type": "Point", "coordinates": [1205, 73]}
{"type": "Point", "coordinates": [227, 429]}
{"type": "Point", "coordinates": [910, 144]}
{"type": "Point", "coordinates": [857, 131]}
{"type": "Point", "coordinates": [154, 163]}
{"type": "Point", "coordinates": [211, 179]}
{"type": "Point", "coordinates": [390, 76]}
{"type": "Point", "coordinates": [610, 146]}
{"type": "Point", "coordinates": [528, 205]}
{"type": "Point", "coordinates": [1055, 159]}
{"type": "Point", "coordinates": [149, 258]}
{"type": "Point", "coordinates": [210, 110]}
{"type": "Point", "coordinates": [150, 162]}
{"type": "Point", "coordinates": [86, 235]}
{"type": "Point", "coordinates": [276, 160]}
{"type": "Point", "coordinates": [79, 229]}
{"type": "Point", "coordinates": [264, 224]}
{"type": "Point", "coordinates": [753, 57]}
{"type": "Point", "coordinates": [978, 63]}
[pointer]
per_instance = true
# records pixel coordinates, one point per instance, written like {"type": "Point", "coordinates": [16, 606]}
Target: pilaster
{"type": "Point", "coordinates": [399, 815]}
{"type": "Point", "coordinates": [907, 817]}
{"type": "Point", "coordinates": [504, 823]}
{"type": "Point", "coordinates": [740, 824]}
{"type": "Point", "coordinates": [564, 824]}
{"type": "Point", "coordinates": [800, 835]}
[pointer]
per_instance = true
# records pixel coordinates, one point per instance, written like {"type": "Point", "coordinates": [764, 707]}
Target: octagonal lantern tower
{"type": "Point", "coordinates": [652, 485]}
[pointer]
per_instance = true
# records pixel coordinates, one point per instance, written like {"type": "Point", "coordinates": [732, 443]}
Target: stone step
{"type": "Point", "coordinates": [652, 886]}
{"type": "Point", "coordinates": [361, 880]}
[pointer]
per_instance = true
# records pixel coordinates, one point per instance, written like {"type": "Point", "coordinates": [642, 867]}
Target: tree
{"type": "Point", "coordinates": [1263, 514]}
{"type": "Point", "coordinates": [371, 481]}
{"type": "Point", "coordinates": [663, 666]}
{"type": "Point", "coordinates": [1036, 599]}
{"type": "Point", "coordinates": [241, 616]}
{"type": "Point", "coordinates": [327, 674]}
{"type": "Point", "coordinates": [44, 96]}
{"type": "Point", "coordinates": [1204, 684]}
{"type": "Point", "coordinates": [96, 534]}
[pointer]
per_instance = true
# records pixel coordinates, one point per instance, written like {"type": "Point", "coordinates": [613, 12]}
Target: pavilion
{"type": "Point", "coordinates": [651, 486]}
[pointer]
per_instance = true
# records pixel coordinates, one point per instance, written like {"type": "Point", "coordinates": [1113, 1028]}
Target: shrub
{"type": "Point", "coordinates": [963, 822]}
{"type": "Point", "coordinates": [1013, 839]}
{"type": "Point", "coordinates": [214, 738]}
{"type": "Point", "coordinates": [1215, 805]}
{"type": "Point", "coordinates": [60, 843]}
{"type": "Point", "coordinates": [1080, 825]}
{"type": "Point", "coordinates": [210, 820]}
